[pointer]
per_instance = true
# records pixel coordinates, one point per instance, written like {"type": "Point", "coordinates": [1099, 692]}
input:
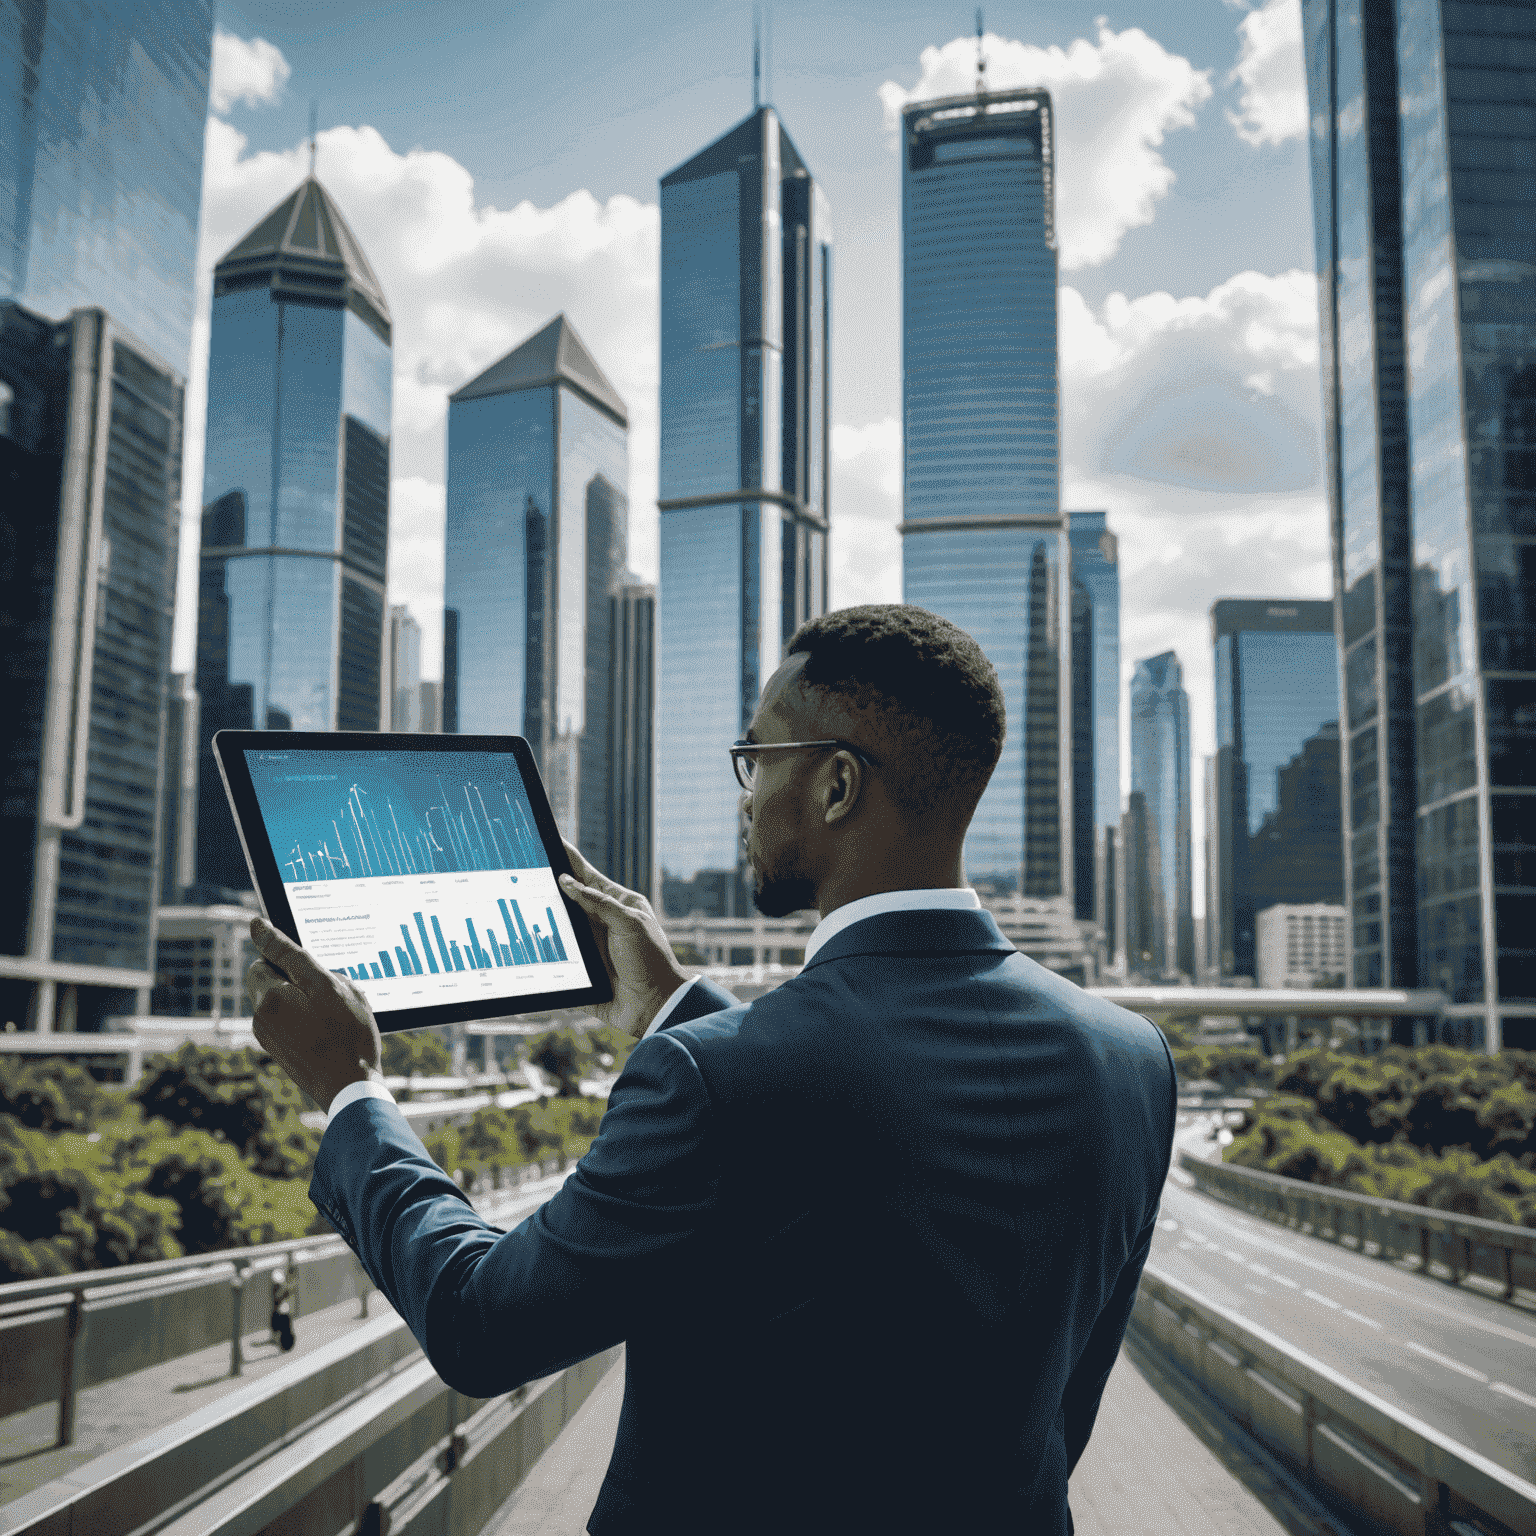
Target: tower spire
{"type": "Point", "coordinates": [981, 58]}
{"type": "Point", "coordinates": [757, 56]}
{"type": "Point", "coordinates": [314, 122]}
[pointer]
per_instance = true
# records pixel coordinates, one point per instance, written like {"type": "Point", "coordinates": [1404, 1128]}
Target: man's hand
{"type": "Point", "coordinates": [315, 1024]}
{"type": "Point", "coordinates": [639, 960]}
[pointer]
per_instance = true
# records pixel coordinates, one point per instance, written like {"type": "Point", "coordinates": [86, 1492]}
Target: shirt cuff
{"type": "Point", "coordinates": [369, 1088]}
{"type": "Point", "coordinates": [661, 1018]}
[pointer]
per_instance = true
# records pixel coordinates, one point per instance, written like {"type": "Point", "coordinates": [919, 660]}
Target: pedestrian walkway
{"type": "Point", "coordinates": [1158, 1466]}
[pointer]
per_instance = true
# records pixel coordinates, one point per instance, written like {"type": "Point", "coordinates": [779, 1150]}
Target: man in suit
{"type": "Point", "coordinates": [872, 1240]}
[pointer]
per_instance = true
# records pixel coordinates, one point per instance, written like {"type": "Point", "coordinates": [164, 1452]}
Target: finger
{"type": "Point", "coordinates": [260, 979]}
{"type": "Point", "coordinates": [589, 875]}
{"type": "Point", "coordinates": [283, 953]}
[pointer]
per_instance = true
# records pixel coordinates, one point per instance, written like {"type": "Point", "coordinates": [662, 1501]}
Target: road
{"type": "Point", "coordinates": [1460, 1362]}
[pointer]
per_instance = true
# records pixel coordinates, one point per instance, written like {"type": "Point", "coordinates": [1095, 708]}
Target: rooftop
{"type": "Point", "coordinates": [555, 354]}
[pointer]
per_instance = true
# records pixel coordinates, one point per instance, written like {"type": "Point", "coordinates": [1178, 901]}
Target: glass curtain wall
{"type": "Point", "coordinates": [1160, 789]}
{"type": "Point", "coordinates": [983, 538]}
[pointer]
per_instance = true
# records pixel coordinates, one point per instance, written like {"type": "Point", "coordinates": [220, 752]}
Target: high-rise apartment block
{"type": "Point", "coordinates": [291, 600]}
{"type": "Point", "coordinates": [984, 543]}
{"type": "Point", "coordinates": [745, 275]}
{"type": "Point", "coordinates": [90, 459]}
{"type": "Point", "coordinates": [1425, 220]}
{"type": "Point", "coordinates": [1301, 945]}
{"type": "Point", "coordinates": [1095, 568]}
{"type": "Point", "coordinates": [102, 116]}
{"type": "Point", "coordinates": [538, 541]}
{"type": "Point", "coordinates": [1160, 933]}
{"type": "Point", "coordinates": [1276, 834]}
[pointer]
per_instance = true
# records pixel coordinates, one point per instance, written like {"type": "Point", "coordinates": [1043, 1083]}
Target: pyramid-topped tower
{"type": "Point", "coordinates": [555, 353]}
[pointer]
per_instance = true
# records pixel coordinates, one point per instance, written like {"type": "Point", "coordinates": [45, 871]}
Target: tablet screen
{"type": "Point", "coordinates": [419, 875]}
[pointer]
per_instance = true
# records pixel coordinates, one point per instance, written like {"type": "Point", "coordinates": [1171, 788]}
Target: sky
{"type": "Point", "coordinates": [499, 164]}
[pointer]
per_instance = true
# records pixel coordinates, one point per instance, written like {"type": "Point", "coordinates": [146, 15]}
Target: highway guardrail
{"type": "Point", "coordinates": [1371, 1456]}
{"type": "Point", "coordinates": [62, 1334]}
{"type": "Point", "coordinates": [1466, 1245]}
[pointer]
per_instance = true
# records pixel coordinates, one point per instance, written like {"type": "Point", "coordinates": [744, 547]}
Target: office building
{"type": "Point", "coordinates": [983, 538]}
{"type": "Point", "coordinates": [295, 535]}
{"type": "Point", "coordinates": [1095, 569]}
{"type": "Point", "coordinates": [178, 791]}
{"type": "Point", "coordinates": [403, 664]}
{"type": "Point", "coordinates": [1277, 700]}
{"type": "Point", "coordinates": [1425, 221]}
{"type": "Point", "coordinates": [201, 957]}
{"type": "Point", "coordinates": [1301, 945]}
{"type": "Point", "coordinates": [632, 781]}
{"type": "Point", "coordinates": [1159, 844]}
{"type": "Point", "coordinates": [102, 117]}
{"type": "Point", "coordinates": [90, 458]}
{"type": "Point", "coordinates": [745, 273]}
{"type": "Point", "coordinates": [538, 541]}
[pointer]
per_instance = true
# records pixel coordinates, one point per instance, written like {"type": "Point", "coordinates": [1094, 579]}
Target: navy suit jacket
{"type": "Point", "coordinates": [871, 1241]}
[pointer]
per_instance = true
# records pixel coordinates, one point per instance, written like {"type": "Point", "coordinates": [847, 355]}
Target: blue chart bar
{"type": "Point", "coordinates": [476, 949]}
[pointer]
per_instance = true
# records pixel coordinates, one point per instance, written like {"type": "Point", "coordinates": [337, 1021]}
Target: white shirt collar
{"type": "Point", "coordinates": [950, 898]}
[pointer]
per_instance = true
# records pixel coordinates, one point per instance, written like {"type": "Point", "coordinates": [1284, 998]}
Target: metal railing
{"type": "Point", "coordinates": [65, 1333]}
{"type": "Point", "coordinates": [1465, 1245]}
{"type": "Point", "coordinates": [1369, 1455]}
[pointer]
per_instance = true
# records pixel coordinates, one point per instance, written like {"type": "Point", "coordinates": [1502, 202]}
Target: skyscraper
{"type": "Point", "coordinates": [632, 781]}
{"type": "Point", "coordinates": [90, 462]}
{"type": "Point", "coordinates": [1095, 567]}
{"type": "Point", "coordinates": [178, 792]}
{"type": "Point", "coordinates": [403, 655]}
{"type": "Point", "coordinates": [102, 115]}
{"type": "Point", "coordinates": [983, 539]}
{"type": "Point", "coordinates": [538, 539]}
{"type": "Point", "coordinates": [745, 273]}
{"type": "Point", "coordinates": [290, 627]}
{"type": "Point", "coordinates": [1425, 221]}
{"type": "Point", "coordinates": [1159, 838]}
{"type": "Point", "coordinates": [1277, 699]}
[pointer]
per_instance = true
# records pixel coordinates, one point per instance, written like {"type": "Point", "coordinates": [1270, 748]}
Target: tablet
{"type": "Point", "coordinates": [422, 867]}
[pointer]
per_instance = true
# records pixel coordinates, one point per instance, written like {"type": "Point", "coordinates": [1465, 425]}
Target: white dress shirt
{"type": "Point", "coordinates": [369, 1088]}
{"type": "Point", "coordinates": [963, 899]}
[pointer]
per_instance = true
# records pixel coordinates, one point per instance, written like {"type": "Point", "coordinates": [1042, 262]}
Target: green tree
{"type": "Point", "coordinates": [415, 1053]}
{"type": "Point", "coordinates": [49, 1094]}
{"type": "Point", "coordinates": [567, 1055]}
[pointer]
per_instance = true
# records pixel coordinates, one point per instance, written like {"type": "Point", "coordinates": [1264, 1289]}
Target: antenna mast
{"type": "Point", "coordinates": [757, 57]}
{"type": "Point", "coordinates": [981, 61]}
{"type": "Point", "coordinates": [314, 121]}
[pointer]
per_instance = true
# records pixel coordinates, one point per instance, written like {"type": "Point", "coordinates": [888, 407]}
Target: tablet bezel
{"type": "Point", "coordinates": [229, 748]}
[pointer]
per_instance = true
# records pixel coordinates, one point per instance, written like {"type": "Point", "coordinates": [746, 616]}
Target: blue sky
{"type": "Point", "coordinates": [500, 163]}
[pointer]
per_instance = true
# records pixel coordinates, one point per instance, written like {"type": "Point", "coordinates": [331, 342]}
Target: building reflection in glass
{"type": "Point", "coordinates": [1095, 557]}
{"type": "Point", "coordinates": [102, 119]}
{"type": "Point", "coordinates": [745, 273]}
{"type": "Point", "coordinates": [984, 542]}
{"type": "Point", "coordinates": [1160, 915]}
{"type": "Point", "coordinates": [291, 597]}
{"type": "Point", "coordinates": [1426, 234]}
{"type": "Point", "coordinates": [1277, 702]}
{"type": "Point", "coordinates": [537, 546]}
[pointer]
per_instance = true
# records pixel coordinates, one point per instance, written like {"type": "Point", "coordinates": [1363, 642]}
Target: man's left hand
{"type": "Point", "coordinates": [315, 1023]}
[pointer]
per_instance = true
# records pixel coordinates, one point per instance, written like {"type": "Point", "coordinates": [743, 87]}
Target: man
{"type": "Point", "coordinates": [872, 1240]}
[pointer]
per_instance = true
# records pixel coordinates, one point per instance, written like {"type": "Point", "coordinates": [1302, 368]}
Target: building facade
{"type": "Point", "coordinates": [1302, 945]}
{"type": "Point", "coordinates": [1160, 912]}
{"type": "Point", "coordinates": [1425, 221]}
{"type": "Point", "coordinates": [984, 543]}
{"type": "Point", "coordinates": [403, 662]}
{"type": "Point", "coordinates": [201, 957]}
{"type": "Point", "coordinates": [632, 737]}
{"type": "Point", "coordinates": [538, 543]}
{"type": "Point", "coordinates": [90, 458]}
{"type": "Point", "coordinates": [102, 117]}
{"type": "Point", "coordinates": [745, 293]}
{"type": "Point", "coordinates": [178, 792]}
{"type": "Point", "coordinates": [1095, 567]}
{"type": "Point", "coordinates": [1277, 712]}
{"type": "Point", "coordinates": [295, 534]}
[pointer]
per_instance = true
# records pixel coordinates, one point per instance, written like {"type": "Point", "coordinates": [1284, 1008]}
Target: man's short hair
{"type": "Point", "coordinates": [937, 698]}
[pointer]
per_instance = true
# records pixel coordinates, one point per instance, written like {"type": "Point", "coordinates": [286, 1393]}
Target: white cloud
{"type": "Point", "coordinates": [866, 507]}
{"type": "Point", "coordinates": [1271, 69]}
{"type": "Point", "coordinates": [249, 70]}
{"type": "Point", "coordinates": [465, 283]}
{"type": "Point", "coordinates": [1115, 99]}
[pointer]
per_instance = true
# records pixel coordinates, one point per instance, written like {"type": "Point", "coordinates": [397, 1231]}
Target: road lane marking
{"type": "Point", "coordinates": [1283, 1281]}
{"type": "Point", "coordinates": [1447, 1362]}
{"type": "Point", "coordinates": [1370, 1322]}
{"type": "Point", "coordinates": [1236, 1258]}
{"type": "Point", "coordinates": [1169, 1226]}
{"type": "Point", "coordinates": [1186, 1245]}
{"type": "Point", "coordinates": [1258, 1269]}
{"type": "Point", "coordinates": [1327, 1301]}
{"type": "Point", "coordinates": [1514, 1392]}
{"type": "Point", "coordinates": [1258, 1290]}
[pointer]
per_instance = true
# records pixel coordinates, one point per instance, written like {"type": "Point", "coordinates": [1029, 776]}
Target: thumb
{"type": "Point", "coordinates": [279, 950]}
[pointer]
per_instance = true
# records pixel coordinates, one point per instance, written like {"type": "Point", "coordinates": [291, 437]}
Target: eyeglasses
{"type": "Point", "coordinates": [743, 752]}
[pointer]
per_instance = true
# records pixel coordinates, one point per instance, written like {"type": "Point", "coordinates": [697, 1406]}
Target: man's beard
{"type": "Point", "coordinates": [777, 893]}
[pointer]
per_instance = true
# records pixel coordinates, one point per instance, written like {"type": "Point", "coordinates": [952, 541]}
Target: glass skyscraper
{"type": "Point", "coordinates": [745, 273]}
{"type": "Point", "coordinates": [1277, 713]}
{"type": "Point", "coordinates": [295, 535]}
{"type": "Point", "coordinates": [1095, 567]}
{"type": "Point", "coordinates": [538, 540]}
{"type": "Point", "coordinates": [102, 112]}
{"type": "Point", "coordinates": [1425, 218]}
{"type": "Point", "coordinates": [983, 539]}
{"type": "Point", "coordinates": [1160, 922]}
{"type": "Point", "coordinates": [90, 462]}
